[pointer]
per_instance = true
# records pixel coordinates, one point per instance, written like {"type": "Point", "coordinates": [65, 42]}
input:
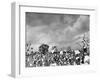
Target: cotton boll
{"type": "Point", "coordinates": [77, 52]}
{"type": "Point", "coordinates": [86, 60]}
{"type": "Point", "coordinates": [61, 52]}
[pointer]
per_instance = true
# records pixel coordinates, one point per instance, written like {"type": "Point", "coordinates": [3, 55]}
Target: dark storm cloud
{"type": "Point", "coordinates": [36, 19]}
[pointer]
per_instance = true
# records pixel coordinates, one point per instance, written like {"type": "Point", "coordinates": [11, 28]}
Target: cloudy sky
{"type": "Point", "coordinates": [62, 30]}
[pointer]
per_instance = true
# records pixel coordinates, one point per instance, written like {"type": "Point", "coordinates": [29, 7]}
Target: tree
{"type": "Point", "coordinates": [43, 49]}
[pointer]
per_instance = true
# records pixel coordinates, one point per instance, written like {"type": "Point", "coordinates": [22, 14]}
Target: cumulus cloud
{"type": "Point", "coordinates": [55, 29]}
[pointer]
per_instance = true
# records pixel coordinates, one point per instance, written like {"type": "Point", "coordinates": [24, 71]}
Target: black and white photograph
{"type": "Point", "coordinates": [53, 39]}
{"type": "Point", "coordinates": [49, 40]}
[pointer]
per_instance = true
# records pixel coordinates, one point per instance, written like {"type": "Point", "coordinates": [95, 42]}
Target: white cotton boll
{"type": "Point", "coordinates": [31, 64]}
{"type": "Point", "coordinates": [77, 51]}
{"type": "Point", "coordinates": [61, 52]}
{"type": "Point", "coordinates": [77, 58]}
{"type": "Point", "coordinates": [86, 59]}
